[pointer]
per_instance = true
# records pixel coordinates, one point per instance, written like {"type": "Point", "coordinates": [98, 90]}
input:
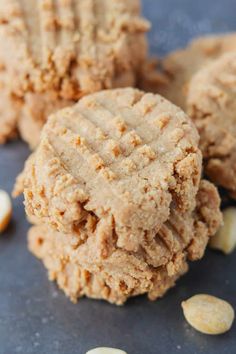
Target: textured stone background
{"type": "Point", "coordinates": [36, 318]}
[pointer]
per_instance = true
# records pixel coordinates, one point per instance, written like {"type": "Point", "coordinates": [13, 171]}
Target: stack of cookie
{"type": "Point", "coordinates": [114, 186]}
{"type": "Point", "coordinates": [115, 193]}
{"type": "Point", "coordinates": [54, 52]}
{"type": "Point", "coordinates": [202, 80]}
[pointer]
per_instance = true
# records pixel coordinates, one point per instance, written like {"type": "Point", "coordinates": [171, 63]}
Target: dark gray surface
{"type": "Point", "coordinates": [35, 317]}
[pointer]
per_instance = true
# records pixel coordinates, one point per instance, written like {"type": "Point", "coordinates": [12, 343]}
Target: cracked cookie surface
{"type": "Point", "coordinates": [211, 103]}
{"type": "Point", "coordinates": [70, 48]}
{"type": "Point", "coordinates": [101, 270]}
{"type": "Point", "coordinates": [201, 80]}
{"type": "Point", "coordinates": [118, 154]}
{"type": "Point", "coordinates": [115, 195]}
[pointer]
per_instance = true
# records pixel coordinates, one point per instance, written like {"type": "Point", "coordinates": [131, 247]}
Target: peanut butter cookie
{"type": "Point", "coordinates": [119, 153]}
{"type": "Point", "coordinates": [201, 80]}
{"type": "Point", "coordinates": [71, 48]}
{"type": "Point", "coordinates": [114, 192]}
{"type": "Point", "coordinates": [211, 103]}
{"type": "Point", "coordinates": [181, 65]}
{"type": "Point", "coordinates": [97, 268]}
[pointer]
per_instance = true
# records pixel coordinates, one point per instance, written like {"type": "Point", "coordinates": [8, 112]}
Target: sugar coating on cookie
{"type": "Point", "coordinates": [181, 65]}
{"type": "Point", "coordinates": [118, 154]}
{"type": "Point", "coordinates": [98, 268]}
{"type": "Point", "coordinates": [211, 103]}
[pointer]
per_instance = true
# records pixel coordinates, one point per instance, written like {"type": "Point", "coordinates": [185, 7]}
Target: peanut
{"type": "Point", "coordinates": [5, 210]}
{"type": "Point", "coordinates": [208, 314]}
{"type": "Point", "coordinates": [225, 239]}
{"type": "Point", "coordinates": [104, 350]}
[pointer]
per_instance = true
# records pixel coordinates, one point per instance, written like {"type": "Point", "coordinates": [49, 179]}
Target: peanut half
{"type": "Point", "coordinates": [225, 238]}
{"type": "Point", "coordinates": [104, 350]}
{"type": "Point", "coordinates": [208, 314]}
{"type": "Point", "coordinates": [5, 210]}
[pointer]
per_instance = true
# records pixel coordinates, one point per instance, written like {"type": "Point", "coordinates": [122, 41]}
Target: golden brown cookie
{"type": "Point", "coordinates": [70, 48]}
{"type": "Point", "coordinates": [211, 103]}
{"type": "Point", "coordinates": [113, 189]}
{"type": "Point", "coordinates": [97, 268]}
{"type": "Point", "coordinates": [118, 154]}
{"type": "Point", "coordinates": [181, 65]}
{"type": "Point", "coordinates": [191, 78]}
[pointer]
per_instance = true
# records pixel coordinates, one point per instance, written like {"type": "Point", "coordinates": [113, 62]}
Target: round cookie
{"type": "Point", "coordinates": [70, 48]}
{"type": "Point", "coordinates": [118, 154]}
{"type": "Point", "coordinates": [179, 66]}
{"type": "Point", "coordinates": [211, 103]}
{"type": "Point", "coordinates": [104, 271]}
{"type": "Point", "coordinates": [114, 192]}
